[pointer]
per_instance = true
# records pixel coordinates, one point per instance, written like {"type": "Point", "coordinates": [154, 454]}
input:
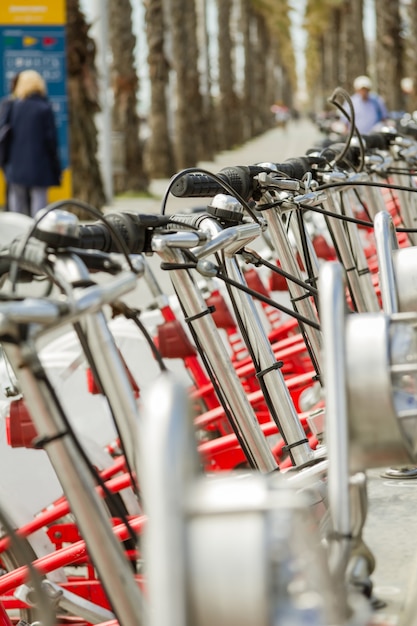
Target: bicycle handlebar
{"type": "Point", "coordinates": [46, 311]}
{"type": "Point", "coordinates": [132, 228]}
{"type": "Point", "coordinates": [241, 178]}
{"type": "Point", "coordinates": [93, 242]}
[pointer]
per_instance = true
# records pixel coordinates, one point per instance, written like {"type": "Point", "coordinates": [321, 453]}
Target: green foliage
{"type": "Point", "coordinates": [317, 15]}
{"type": "Point", "coordinates": [278, 21]}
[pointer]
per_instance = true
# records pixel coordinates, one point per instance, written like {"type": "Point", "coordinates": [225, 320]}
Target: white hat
{"type": "Point", "coordinates": [362, 82]}
{"type": "Point", "coordinates": [407, 85]}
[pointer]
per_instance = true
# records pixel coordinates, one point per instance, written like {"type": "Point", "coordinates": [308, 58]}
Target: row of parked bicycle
{"type": "Point", "coordinates": [203, 460]}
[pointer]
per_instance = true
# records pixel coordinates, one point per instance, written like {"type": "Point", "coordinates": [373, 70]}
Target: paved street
{"type": "Point", "coordinates": [274, 146]}
{"type": "Point", "coordinates": [391, 533]}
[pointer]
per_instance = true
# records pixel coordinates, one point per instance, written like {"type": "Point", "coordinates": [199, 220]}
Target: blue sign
{"type": "Point", "coordinates": [40, 48]}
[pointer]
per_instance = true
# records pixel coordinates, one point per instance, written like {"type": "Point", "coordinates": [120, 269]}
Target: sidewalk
{"type": "Point", "coordinates": [274, 146]}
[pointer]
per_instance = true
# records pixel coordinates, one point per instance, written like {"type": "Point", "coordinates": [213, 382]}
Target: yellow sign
{"type": "Point", "coordinates": [32, 36]}
{"type": "Point", "coordinates": [29, 41]}
{"type": "Point", "coordinates": [54, 193]}
{"type": "Point", "coordinates": [32, 12]}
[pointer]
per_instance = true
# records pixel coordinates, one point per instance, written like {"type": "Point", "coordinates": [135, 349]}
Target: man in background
{"type": "Point", "coordinates": [369, 107]}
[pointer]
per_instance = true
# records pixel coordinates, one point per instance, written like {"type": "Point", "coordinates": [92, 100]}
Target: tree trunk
{"type": "Point", "coordinates": [187, 97]}
{"type": "Point", "coordinates": [228, 108]}
{"type": "Point", "coordinates": [87, 183]}
{"type": "Point", "coordinates": [263, 117]}
{"type": "Point", "coordinates": [352, 46]}
{"type": "Point", "coordinates": [208, 130]}
{"type": "Point", "coordinates": [130, 176]}
{"type": "Point", "coordinates": [248, 103]}
{"type": "Point", "coordinates": [411, 98]}
{"type": "Point", "coordinates": [325, 76]}
{"type": "Point", "coordinates": [389, 53]}
{"type": "Point", "coordinates": [332, 54]}
{"type": "Point", "coordinates": [159, 150]}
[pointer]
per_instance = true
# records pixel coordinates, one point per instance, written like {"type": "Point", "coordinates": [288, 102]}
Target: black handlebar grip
{"type": "Point", "coordinates": [94, 237]}
{"type": "Point", "coordinates": [378, 141]}
{"type": "Point", "coordinates": [240, 178]}
{"type": "Point", "coordinates": [100, 237]}
{"type": "Point", "coordinates": [196, 185]}
{"type": "Point", "coordinates": [334, 150]}
{"type": "Point", "coordinates": [189, 220]}
{"type": "Point", "coordinates": [295, 168]}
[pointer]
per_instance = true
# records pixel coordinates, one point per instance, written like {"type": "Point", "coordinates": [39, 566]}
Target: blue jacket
{"type": "Point", "coordinates": [33, 158]}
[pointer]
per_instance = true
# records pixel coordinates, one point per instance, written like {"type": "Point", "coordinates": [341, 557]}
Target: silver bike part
{"type": "Point", "coordinates": [106, 356]}
{"type": "Point", "coordinates": [385, 243]}
{"type": "Point", "coordinates": [116, 385]}
{"type": "Point", "coordinates": [381, 362]}
{"type": "Point", "coordinates": [397, 268]}
{"type": "Point", "coordinates": [68, 601]}
{"type": "Point", "coordinates": [332, 311]}
{"type": "Point", "coordinates": [373, 379]}
{"type": "Point", "coordinates": [289, 424]}
{"type": "Point", "coordinates": [114, 569]}
{"type": "Point", "coordinates": [242, 414]}
{"type": "Point", "coordinates": [300, 296]}
{"type": "Point", "coordinates": [347, 242]}
{"type": "Point", "coordinates": [403, 153]}
{"type": "Point", "coordinates": [239, 548]}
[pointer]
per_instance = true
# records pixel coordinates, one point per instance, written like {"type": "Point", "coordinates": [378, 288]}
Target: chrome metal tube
{"type": "Point", "coordinates": [168, 460]}
{"type": "Point", "coordinates": [332, 310]}
{"type": "Point", "coordinates": [242, 414]}
{"type": "Point", "coordinates": [408, 202]}
{"type": "Point", "coordinates": [116, 386]}
{"type": "Point", "coordinates": [288, 421]}
{"type": "Point", "coordinates": [106, 552]}
{"type": "Point", "coordinates": [386, 241]}
{"type": "Point", "coordinates": [301, 296]}
{"type": "Point", "coordinates": [361, 289]}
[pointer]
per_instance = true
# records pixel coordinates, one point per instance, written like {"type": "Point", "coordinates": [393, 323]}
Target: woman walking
{"type": "Point", "coordinates": [33, 163]}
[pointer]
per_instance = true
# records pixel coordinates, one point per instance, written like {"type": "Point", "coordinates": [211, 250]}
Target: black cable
{"type": "Point", "coordinates": [134, 315]}
{"type": "Point", "coordinates": [254, 294]}
{"type": "Point", "coordinates": [262, 298]}
{"type": "Point", "coordinates": [365, 183]}
{"type": "Point", "coordinates": [393, 170]}
{"type": "Point", "coordinates": [248, 344]}
{"type": "Point", "coordinates": [306, 254]}
{"type": "Point", "coordinates": [45, 271]}
{"type": "Point", "coordinates": [278, 270]}
{"type": "Point", "coordinates": [346, 218]}
{"type": "Point", "coordinates": [353, 129]}
{"type": "Point", "coordinates": [40, 374]}
{"type": "Point", "coordinates": [362, 203]}
{"type": "Point", "coordinates": [91, 362]}
{"type": "Point", "coordinates": [218, 391]}
{"type": "Point", "coordinates": [309, 270]}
